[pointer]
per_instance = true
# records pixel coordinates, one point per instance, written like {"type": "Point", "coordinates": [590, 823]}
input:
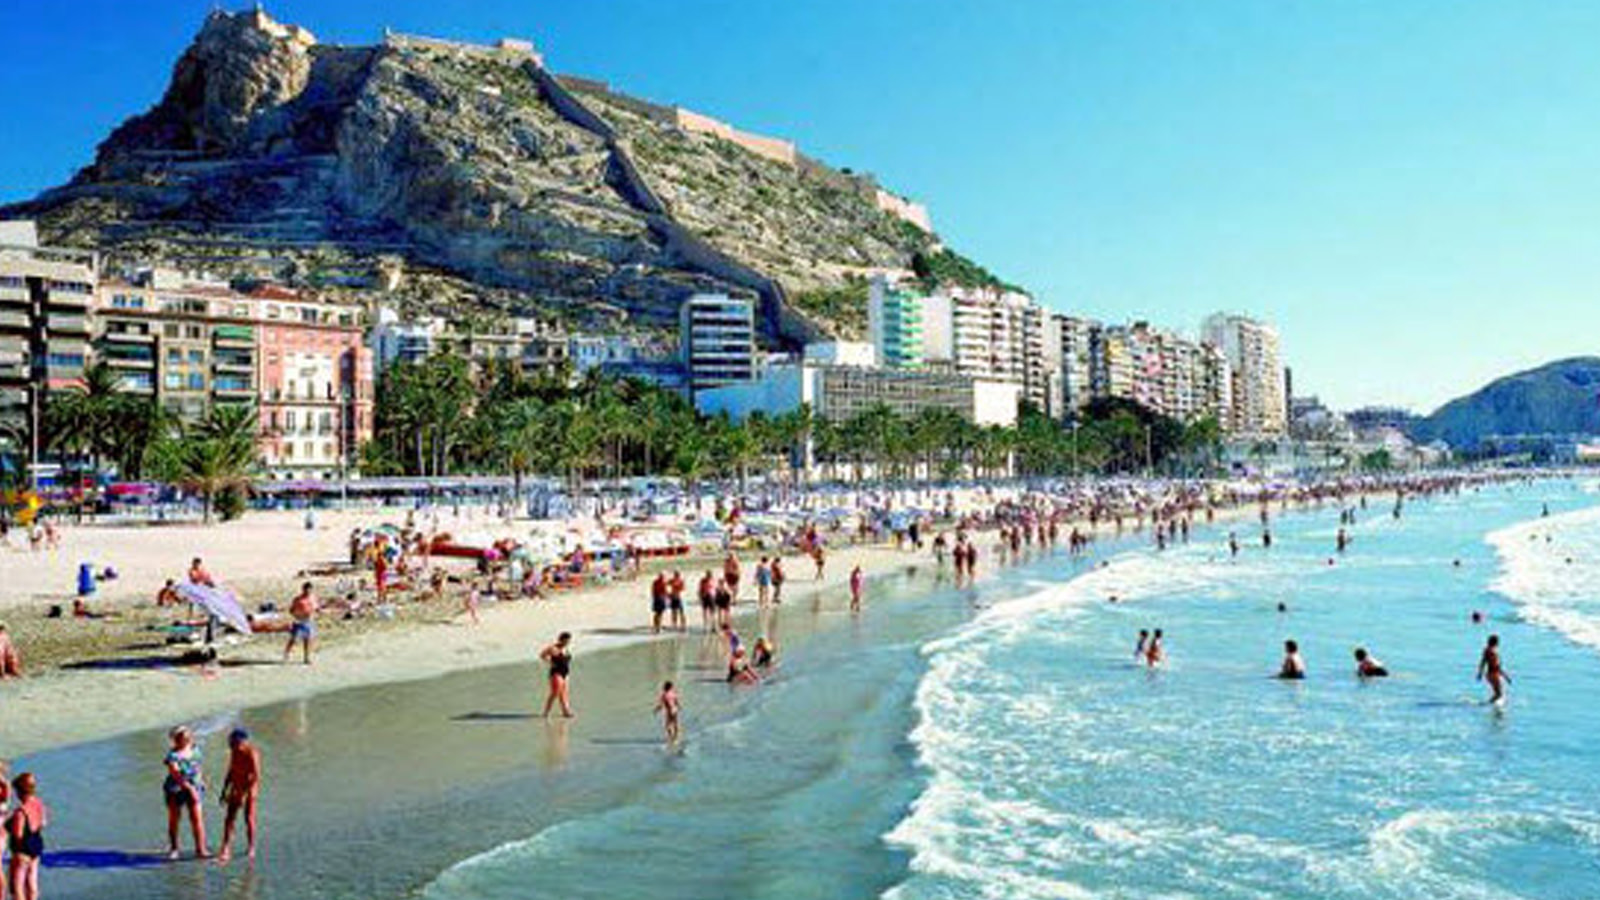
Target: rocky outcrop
{"type": "Point", "coordinates": [270, 155]}
{"type": "Point", "coordinates": [1559, 398]}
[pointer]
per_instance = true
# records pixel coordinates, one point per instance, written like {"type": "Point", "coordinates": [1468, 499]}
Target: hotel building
{"type": "Point", "coordinates": [717, 340]}
{"type": "Point", "coordinates": [1251, 353]}
{"type": "Point", "coordinates": [45, 296]}
{"type": "Point", "coordinates": [894, 324]}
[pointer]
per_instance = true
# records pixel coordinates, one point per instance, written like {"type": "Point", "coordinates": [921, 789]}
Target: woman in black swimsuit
{"type": "Point", "coordinates": [25, 839]}
{"type": "Point", "coordinates": [559, 658]}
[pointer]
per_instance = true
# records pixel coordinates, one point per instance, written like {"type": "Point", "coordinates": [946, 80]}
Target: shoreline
{"type": "Point", "coordinates": [63, 707]}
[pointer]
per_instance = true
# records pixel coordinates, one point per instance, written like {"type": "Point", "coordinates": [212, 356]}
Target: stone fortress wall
{"type": "Point", "coordinates": [775, 149]}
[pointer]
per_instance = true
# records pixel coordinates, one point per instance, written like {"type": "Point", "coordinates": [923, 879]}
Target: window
{"type": "Point", "coordinates": [272, 420]}
{"type": "Point", "coordinates": [288, 450]}
{"type": "Point", "coordinates": [327, 450]}
{"type": "Point", "coordinates": [192, 331]}
{"type": "Point", "coordinates": [169, 330]}
{"type": "Point", "coordinates": [174, 356]}
{"type": "Point", "coordinates": [288, 421]}
{"type": "Point", "coordinates": [197, 381]}
{"type": "Point", "coordinates": [172, 381]}
{"type": "Point", "coordinates": [197, 357]}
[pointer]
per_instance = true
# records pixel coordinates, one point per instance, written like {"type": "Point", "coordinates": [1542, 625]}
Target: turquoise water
{"type": "Point", "coordinates": [989, 742]}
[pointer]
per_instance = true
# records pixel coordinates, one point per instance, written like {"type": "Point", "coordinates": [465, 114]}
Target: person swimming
{"type": "Point", "coordinates": [1294, 667]}
{"type": "Point", "coordinates": [1369, 667]}
{"type": "Point", "coordinates": [1144, 642]}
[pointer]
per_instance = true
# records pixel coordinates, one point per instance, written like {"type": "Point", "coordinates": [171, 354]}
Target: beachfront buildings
{"type": "Point", "coordinates": [1250, 348]}
{"type": "Point", "coordinates": [716, 335]}
{"type": "Point", "coordinates": [988, 334]}
{"type": "Point", "coordinates": [1074, 342]}
{"type": "Point", "coordinates": [45, 295]}
{"type": "Point", "coordinates": [838, 392]}
{"type": "Point", "coordinates": [192, 345]}
{"type": "Point", "coordinates": [528, 343]}
{"type": "Point", "coordinates": [894, 323]}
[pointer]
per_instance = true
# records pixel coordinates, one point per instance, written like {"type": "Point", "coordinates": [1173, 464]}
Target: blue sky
{"type": "Point", "coordinates": [1409, 189]}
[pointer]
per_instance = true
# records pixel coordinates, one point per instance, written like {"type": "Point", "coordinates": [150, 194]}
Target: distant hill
{"type": "Point", "coordinates": [1562, 397]}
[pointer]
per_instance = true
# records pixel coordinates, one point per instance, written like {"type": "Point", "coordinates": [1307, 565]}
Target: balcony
{"type": "Point", "coordinates": [234, 336]}
{"type": "Point", "coordinates": [74, 299]}
{"type": "Point", "coordinates": [128, 337]}
{"type": "Point", "coordinates": [11, 318]}
{"type": "Point", "coordinates": [129, 362]}
{"type": "Point", "coordinates": [67, 324]}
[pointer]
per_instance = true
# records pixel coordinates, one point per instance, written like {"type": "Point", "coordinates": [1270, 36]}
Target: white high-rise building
{"type": "Point", "coordinates": [1253, 358]}
{"type": "Point", "coordinates": [1075, 339]}
{"type": "Point", "coordinates": [990, 334]}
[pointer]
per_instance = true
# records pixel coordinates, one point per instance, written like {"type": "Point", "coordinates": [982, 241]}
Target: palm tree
{"type": "Point", "coordinates": [220, 452]}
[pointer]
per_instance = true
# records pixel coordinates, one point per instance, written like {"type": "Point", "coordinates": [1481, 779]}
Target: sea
{"type": "Point", "coordinates": [955, 741]}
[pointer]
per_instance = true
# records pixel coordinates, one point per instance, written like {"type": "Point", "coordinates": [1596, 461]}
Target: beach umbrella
{"type": "Point", "coordinates": [219, 602]}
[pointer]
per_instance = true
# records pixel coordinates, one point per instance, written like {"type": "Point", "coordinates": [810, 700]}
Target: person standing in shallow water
{"type": "Point", "coordinates": [184, 789]}
{"type": "Point", "coordinates": [1293, 667]}
{"type": "Point", "coordinates": [1492, 670]}
{"type": "Point", "coordinates": [558, 656]}
{"type": "Point", "coordinates": [24, 839]}
{"type": "Point", "coordinates": [857, 582]}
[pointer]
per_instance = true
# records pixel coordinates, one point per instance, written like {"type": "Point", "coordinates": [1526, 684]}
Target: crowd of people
{"type": "Point", "coordinates": [926, 522]}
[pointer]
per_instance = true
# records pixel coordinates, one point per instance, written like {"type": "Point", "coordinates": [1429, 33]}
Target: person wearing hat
{"type": "Point", "coordinates": [184, 789]}
{"type": "Point", "coordinates": [240, 789]}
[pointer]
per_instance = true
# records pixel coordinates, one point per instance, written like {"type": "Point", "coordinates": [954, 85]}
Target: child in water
{"type": "Point", "coordinates": [240, 789]}
{"type": "Point", "coordinates": [1368, 667]}
{"type": "Point", "coordinates": [667, 704]}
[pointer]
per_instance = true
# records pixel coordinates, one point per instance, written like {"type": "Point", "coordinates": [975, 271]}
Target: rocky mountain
{"type": "Point", "coordinates": [458, 178]}
{"type": "Point", "coordinates": [1562, 397]}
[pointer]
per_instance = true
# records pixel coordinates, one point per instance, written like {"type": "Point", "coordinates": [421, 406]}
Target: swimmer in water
{"type": "Point", "coordinates": [1368, 667]}
{"type": "Point", "coordinates": [1293, 668]}
{"type": "Point", "coordinates": [1477, 617]}
{"type": "Point", "coordinates": [1155, 653]}
{"type": "Point", "coordinates": [1491, 669]}
{"type": "Point", "coordinates": [1283, 607]}
{"type": "Point", "coordinates": [1144, 641]}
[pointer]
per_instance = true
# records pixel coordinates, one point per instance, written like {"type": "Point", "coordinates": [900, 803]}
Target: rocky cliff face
{"type": "Point", "coordinates": [273, 156]}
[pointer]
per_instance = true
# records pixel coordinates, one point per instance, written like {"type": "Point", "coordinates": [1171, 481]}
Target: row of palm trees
{"type": "Point", "coordinates": [97, 421]}
{"type": "Point", "coordinates": [435, 417]}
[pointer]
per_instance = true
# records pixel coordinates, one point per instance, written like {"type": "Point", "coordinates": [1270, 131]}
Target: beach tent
{"type": "Point", "coordinates": [219, 602]}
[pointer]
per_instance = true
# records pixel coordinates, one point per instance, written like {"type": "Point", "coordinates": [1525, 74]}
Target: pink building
{"type": "Point", "coordinates": [315, 385]}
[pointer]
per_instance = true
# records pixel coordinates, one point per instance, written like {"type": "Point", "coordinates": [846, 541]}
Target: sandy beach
{"type": "Point", "coordinates": [115, 691]}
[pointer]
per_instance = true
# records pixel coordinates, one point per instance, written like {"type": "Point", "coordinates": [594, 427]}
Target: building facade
{"type": "Point", "coordinates": [716, 336]}
{"type": "Point", "coordinates": [839, 392]}
{"type": "Point", "coordinates": [192, 346]}
{"type": "Point", "coordinates": [45, 297]}
{"type": "Point", "coordinates": [894, 324]}
{"type": "Point", "coordinates": [1251, 350]}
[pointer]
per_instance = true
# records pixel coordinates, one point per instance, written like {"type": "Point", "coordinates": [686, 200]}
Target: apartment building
{"type": "Point", "coordinates": [45, 296]}
{"type": "Point", "coordinates": [532, 344]}
{"type": "Point", "coordinates": [1074, 340]}
{"type": "Point", "coordinates": [895, 323]}
{"type": "Point", "coordinates": [1251, 350]}
{"type": "Point", "coordinates": [192, 345]}
{"type": "Point", "coordinates": [316, 385]}
{"type": "Point", "coordinates": [717, 340]}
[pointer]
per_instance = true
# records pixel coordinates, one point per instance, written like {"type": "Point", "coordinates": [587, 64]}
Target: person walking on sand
{"type": "Point", "coordinates": [24, 838]}
{"type": "Point", "coordinates": [820, 557]}
{"type": "Point", "coordinates": [558, 657]}
{"type": "Point", "coordinates": [857, 582]}
{"type": "Point", "coordinates": [675, 588]}
{"type": "Point", "coordinates": [763, 583]}
{"type": "Point", "coordinates": [1492, 670]}
{"type": "Point", "coordinates": [303, 610]}
{"type": "Point", "coordinates": [240, 790]}
{"type": "Point", "coordinates": [473, 599]}
{"type": "Point", "coordinates": [777, 580]}
{"type": "Point", "coordinates": [668, 706]}
{"type": "Point", "coordinates": [658, 601]}
{"type": "Point", "coordinates": [184, 789]}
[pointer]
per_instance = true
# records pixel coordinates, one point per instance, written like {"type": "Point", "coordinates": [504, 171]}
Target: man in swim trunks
{"type": "Point", "coordinates": [1144, 641]}
{"type": "Point", "coordinates": [1490, 669]}
{"type": "Point", "coordinates": [303, 609]}
{"type": "Point", "coordinates": [1293, 668]}
{"type": "Point", "coordinates": [675, 601]}
{"type": "Point", "coordinates": [240, 789]}
{"type": "Point", "coordinates": [658, 601]}
{"type": "Point", "coordinates": [1368, 667]}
